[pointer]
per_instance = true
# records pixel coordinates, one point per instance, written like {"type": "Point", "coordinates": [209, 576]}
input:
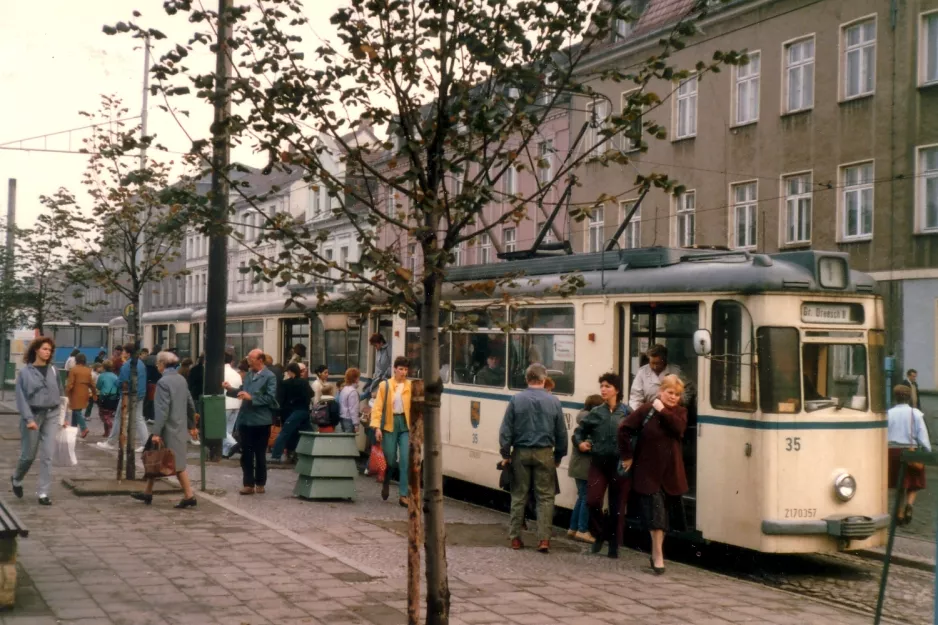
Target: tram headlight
{"type": "Point", "coordinates": [845, 487]}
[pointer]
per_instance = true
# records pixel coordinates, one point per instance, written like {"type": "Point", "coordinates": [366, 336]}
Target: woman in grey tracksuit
{"type": "Point", "coordinates": [38, 398]}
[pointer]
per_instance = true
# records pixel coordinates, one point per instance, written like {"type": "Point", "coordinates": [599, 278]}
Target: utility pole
{"type": "Point", "coordinates": [146, 97]}
{"type": "Point", "coordinates": [7, 278]}
{"type": "Point", "coordinates": [215, 312]}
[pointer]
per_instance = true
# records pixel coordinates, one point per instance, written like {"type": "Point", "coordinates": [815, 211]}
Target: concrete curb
{"type": "Point", "coordinates": [908, 561]}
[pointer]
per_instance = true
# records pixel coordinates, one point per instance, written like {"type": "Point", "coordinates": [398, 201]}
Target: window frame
{"type": "Point", "coordinates": [484, 249]}
{"type": "Point", "coordinates": [857, 188]}
{"type": "Point", "coordinates": [681, 212]}
{"type": "Point", "coordinates": [845, 50]}
{"type": "Point", "coordinates": [545, 151]}
{"type": "Point", "coordinates": [678, 99]}
{"type": "Point", "coordinates": [592, 137]}
{"type": "Point", "coordinates": [510, 245]}
{"type": "Point", "coordinates": [786, 67]}
{"type": "Point", "coordinates": [735, 206]}
{"type": "Point", "coordinates": [783, 209]}
{"type": "Point", "coordinates": [633, 232]}
{"type": "Point", "coordinates": [550, 331]}
{"type": "Point", "coordinates": [594, 225]}
{"type": "Point", "coordinates": [627, 144]}
{"type": "Point", "coordinates": [922, 53]}
{"type": "Point", "coordinates": [511, 180]}
{"type": "Point", "coordinates": [735, 406]}
{"type": "Point", "coordinates": [487, 330]}
{"type": "Point", "coordinates": [734, 96]}
{"type": "Point", "coordinates": [921, 197]}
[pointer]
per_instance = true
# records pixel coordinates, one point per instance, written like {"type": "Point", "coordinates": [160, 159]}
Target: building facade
{"type": "Point", "coordinates": [825, 139]}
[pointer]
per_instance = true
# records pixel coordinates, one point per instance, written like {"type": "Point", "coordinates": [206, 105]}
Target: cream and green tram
{"type": "Point", "coordinates": [785, 449]}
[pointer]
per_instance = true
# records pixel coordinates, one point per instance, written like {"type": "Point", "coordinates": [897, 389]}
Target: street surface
{"type": "Point", "coordinates": [273, 558]}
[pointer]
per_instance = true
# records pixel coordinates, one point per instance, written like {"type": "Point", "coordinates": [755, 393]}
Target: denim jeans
{"type": "Point", "coordinates": [230, 417]}
{"type": "Point", "coordinates": [580, 519]}
{"type": "Point", "coordinates": [345, 425]}
{"type": "Point", "coordinates": [78, 419]}
{"type": "Point", "coordinates": [140, 428]}
{"type": "Point", "coordinates": [291, 427]}
{"type": "Point", "coordinates": [397, 443]}
{"type": "Point", "coordinates": [41, 441]}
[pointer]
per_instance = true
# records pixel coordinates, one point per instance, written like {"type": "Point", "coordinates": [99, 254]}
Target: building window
{"type": "Point", "coordinates": [746, 97]}
{"type": "Point", "coordinates": [204, 287]}
{"type": "Point", "coordinates": [857, 201]}
{"type": "Point", "coordinates": [510, 237]}
{"type": "Point", "coordinates": [241, 277]}
{"type": "Point", "coordinates": [859, 44]}
{"type": "Point", "coordinates": [686, 206]}
{"type": "Point", "coordinates": [686, 109]}
{"type": "Point", "coordinates": [458, 255]}
{"type": "Point", "coordinates": [343, 257]}
{"type": "Point", "coordinates": [485, 249]}
{"type": "Point", "coordinates": [188, 247]}
{"type": "Point", "coordinates": [597, 226]}
{"type": "Point", "coordinates": [928, 48]}
{"type": "Point", "coordinates": [744, 215]}
{"type": "Point", "coordinates": [511, 180]}
{"type": "Point", "coordinates": [799, 75]}
{"type": "Point", "coordinates": [548, 236]}
{"type": "Point", "coordinates": [412, 259]}
{"type": "Point", "coordinates": [597, 113]}
{"type": "Point", "coordinates": [389, 201]}
{"type": "Point", "coordinates": [632, 135]}
{"type": "Point", "coordinates": [189, 289]}
{"type": "Point", "coordinates": [632, 237]}
{"type": "Point", "coordinates": [545, 164]}
{"type": "Point", "coordinates": [797, 191]}
{"type": "Point", "coordinates": [457, 185]}
{"type": "Point", "coordinates": [317, 200]}
{"type": "Point", "coordinates": [928, 192]}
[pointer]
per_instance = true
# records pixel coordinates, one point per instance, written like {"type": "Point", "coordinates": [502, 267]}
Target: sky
{"type": "Point", "coordinates": [57, 62]}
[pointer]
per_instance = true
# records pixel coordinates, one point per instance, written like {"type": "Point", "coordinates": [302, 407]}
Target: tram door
{"type": "Point", "coordinates": [673, 326]}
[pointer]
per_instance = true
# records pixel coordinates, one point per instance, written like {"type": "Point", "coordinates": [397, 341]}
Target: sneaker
{"type": "Point", "coordinates": [44, 500]}
{"type": "Point", "coordinates": [584, 537]}
{"type": "Point", "coordinates": [571, 533]}
{"type": "Point", "coordinates": [194, 441]}
{"type": "Point", "coordinates": [106, 445]}
{"type": "Point", "coordinates": [17, 490]}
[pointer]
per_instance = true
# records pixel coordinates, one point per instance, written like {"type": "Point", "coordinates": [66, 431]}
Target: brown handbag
{"type": "Point", "coordinates": [158, 461]}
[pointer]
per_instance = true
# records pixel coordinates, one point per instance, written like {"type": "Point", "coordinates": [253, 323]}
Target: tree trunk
{"type": "Point", "coordinates": [438, 598]}
{"type": "Point", "coordinates": [414, 506]}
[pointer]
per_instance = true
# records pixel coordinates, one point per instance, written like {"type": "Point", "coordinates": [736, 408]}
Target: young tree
{"type": "Point", "coordinates": [464, 89]}
{"type": "Point", "coordinates": [45, 284]}
{"type": "Point", "coordinates": [130, 235]}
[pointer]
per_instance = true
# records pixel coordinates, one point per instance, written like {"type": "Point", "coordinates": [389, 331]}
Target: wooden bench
{"type": "Point", "coordinates": [11, 528]}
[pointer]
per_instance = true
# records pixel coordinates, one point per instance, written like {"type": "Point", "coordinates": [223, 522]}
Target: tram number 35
{"type": "Point", "coordinates": [793, 443]}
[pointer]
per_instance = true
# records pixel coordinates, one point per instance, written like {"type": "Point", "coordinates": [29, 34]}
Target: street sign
{"type": "Point", "coordinates": [128, 311]}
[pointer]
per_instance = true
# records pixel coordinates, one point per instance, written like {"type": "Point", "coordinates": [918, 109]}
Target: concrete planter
{"type": "Point", "coordinates": [326, 466]}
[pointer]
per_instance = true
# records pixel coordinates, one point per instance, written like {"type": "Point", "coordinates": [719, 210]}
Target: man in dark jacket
{"type": "Point", "coordinates": [533, 440]}
{"type": "Point", "coordinates": [910, 380]}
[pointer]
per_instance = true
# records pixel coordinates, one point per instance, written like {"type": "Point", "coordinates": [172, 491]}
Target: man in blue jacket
{"type": "Point", "coordinates": [532, 441]}
{"type": "Point", "coordinates": [140, 425]}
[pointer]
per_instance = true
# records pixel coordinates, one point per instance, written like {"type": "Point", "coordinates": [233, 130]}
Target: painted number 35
{"type": "Point", "coordinates": [793, 444]}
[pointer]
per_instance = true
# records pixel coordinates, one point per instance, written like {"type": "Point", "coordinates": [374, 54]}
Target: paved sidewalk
{"type": "Point", "coordinates": [111, 560]}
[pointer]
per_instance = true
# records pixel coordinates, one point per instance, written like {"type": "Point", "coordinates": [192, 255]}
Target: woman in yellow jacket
{"type": "Point", "coordinates": [391, 420]}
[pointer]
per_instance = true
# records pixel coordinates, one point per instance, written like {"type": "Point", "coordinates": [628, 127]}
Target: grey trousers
{"type": "Point", "coordinates": [140, 429]}
{"type": "Point", "coordinates": [41, 441]}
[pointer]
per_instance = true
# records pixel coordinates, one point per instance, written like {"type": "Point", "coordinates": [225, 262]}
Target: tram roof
{"type": "Point", "coordinates": [669, 270]}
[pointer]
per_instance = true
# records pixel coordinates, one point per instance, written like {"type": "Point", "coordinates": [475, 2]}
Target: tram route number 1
{"type": "Point", "coordinates": [793, 443]}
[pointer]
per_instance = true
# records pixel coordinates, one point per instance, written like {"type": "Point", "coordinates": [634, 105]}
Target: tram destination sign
{"type": "Point", "coordinates": [817, 312]}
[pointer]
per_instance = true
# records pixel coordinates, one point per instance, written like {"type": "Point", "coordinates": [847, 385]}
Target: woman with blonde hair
{"type": "Point", "coordinates": [656, 462]}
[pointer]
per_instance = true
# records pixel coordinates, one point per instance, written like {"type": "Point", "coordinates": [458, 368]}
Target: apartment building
{"type": "Point", "coordinates": [826, 139]}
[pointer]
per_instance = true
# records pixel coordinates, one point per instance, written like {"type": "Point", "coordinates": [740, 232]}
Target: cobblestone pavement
{"type": "Point", "coordinates": [111, 560]}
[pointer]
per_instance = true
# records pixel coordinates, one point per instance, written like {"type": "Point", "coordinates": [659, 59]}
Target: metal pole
{"type": "Point", "coordinates": [7, 278]}
{"type": "Point", "coordinates": [146, 96]}
{"type": "Point", "coordinates": [215, 310]}
{"type": "Point", "coordinates": [884, 579]}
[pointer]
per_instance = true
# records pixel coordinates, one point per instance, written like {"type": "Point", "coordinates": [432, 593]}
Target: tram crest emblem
{"type": "Point", "coordinates": [475, 413]}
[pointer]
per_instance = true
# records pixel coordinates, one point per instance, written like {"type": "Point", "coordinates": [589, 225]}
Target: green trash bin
{"type": "Point", "coordinates": [9, 377]}
{"type": "Point", "coordinates": [213, 422]}
{"type": "Point", "coordinates": [326, 466]}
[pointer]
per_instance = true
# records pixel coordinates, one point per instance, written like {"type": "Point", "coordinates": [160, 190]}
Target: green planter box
{"type": "Point", "coordinates": [326, 466]}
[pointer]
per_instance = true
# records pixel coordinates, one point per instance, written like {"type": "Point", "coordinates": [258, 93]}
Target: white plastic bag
{"type": "Point", "coordinates": [65, 447]}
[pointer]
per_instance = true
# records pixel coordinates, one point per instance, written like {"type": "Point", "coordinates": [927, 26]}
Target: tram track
{"type": "Point", "coordinates": [848, 580]}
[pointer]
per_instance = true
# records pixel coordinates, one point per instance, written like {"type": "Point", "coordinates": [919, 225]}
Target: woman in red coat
{"type": "Point", "coordinates": [657, 466]}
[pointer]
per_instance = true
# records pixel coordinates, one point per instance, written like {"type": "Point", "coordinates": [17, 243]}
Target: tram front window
{"type": "Point", "coordinates": [834, 375]}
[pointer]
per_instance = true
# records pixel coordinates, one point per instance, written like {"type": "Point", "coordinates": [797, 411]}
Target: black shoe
{"type": "Point", "coordinates": [386, 486]}
{"type": "Point", "coordinates": [613, 552]}
{"type": "Point", "coordinates": [908, 514]}
{"type": "Point", "coordinates": [17, 490]}
{"type": "Point", "coordinates": [145, 498]}
{"type": "Point", "coordinates": [45, 501]}
{"type": "Point", "coordinates": [597, 546]}
{"type": "Point", "coordinates": [187, 503]}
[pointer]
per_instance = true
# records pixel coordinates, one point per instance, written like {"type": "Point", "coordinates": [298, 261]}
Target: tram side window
{"type": "Point", "coordinates": [342, 349]}
{"type": "Point", "coordinates": [779, 370]}
{"type": "Point", "coordinates": [479, 354]}
{"type": "Point", "coordinates": [412, 346]}
{"type": "Point", "coordinates": [544, 335]}
{"type": "Point", "coordinates": [834, 375]}
{"type": "Point", "coordinates": [732, 379]}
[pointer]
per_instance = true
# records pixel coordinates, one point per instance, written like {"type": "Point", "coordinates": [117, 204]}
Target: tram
{"type": "Point", "coordinates": [785, 449]}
